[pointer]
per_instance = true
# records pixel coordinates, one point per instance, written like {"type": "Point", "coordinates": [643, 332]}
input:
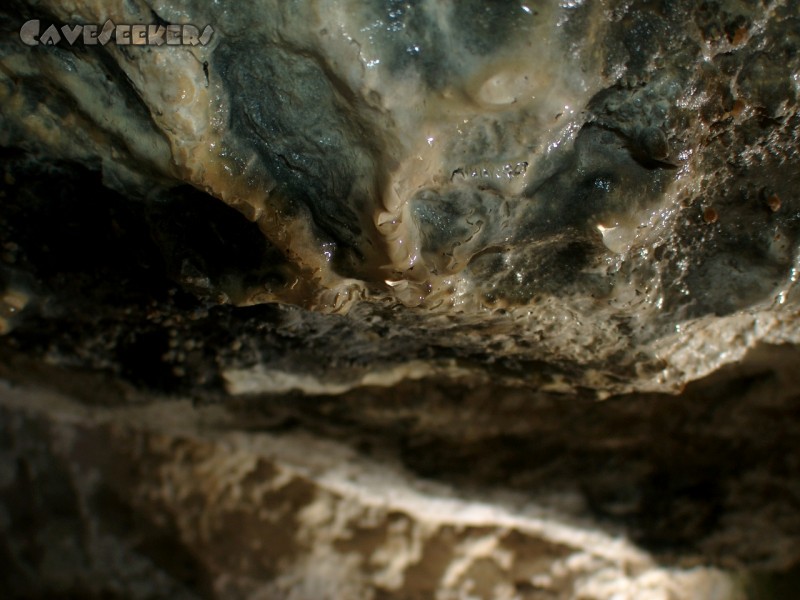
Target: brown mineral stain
{"type": "Point", "coordinates": [738, 108]}
{"type": "Point", "coordinates": [774, 202]}
{"type": "Point", "coordinates": [740, 36]}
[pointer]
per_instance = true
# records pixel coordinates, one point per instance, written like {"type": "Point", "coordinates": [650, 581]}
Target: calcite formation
{"type": "Point", "coordinates": [606, 189]}
{"type": "Point", "coordinates": [440, 232]}
{"type": "Point", "coordinates": [150, 503]}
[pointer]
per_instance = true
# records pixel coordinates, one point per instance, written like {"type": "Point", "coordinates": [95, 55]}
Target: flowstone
{"type": "Point", "coordinates": [543, 246]}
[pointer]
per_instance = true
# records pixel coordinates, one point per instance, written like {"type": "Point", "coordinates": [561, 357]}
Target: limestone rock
{"type": "Point", "coordinates": [151, 503]}
{"type": "Point", "coordinates": [438, 233]}
{"type": "Point", "coordinates": [607, 191]}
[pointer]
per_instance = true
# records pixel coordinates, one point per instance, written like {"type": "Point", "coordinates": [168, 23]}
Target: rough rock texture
{"type": "Point", "coordinates": [607, 189]}
{"type": "Point", "coordinates": [167, 501]}
{"type": "Point", "coordinates": [438, 232]}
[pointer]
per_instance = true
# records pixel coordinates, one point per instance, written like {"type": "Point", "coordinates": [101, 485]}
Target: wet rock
{"type": "Point", "coordinates": [529, 185]}
{"type": "Point", "coordinates": [534, 185]}
{"type": "Point", "coordinates": [440, 232]}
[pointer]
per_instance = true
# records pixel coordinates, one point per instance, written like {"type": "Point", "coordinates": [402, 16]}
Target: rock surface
{"type": "Point", "coordinates": [604, 188]}
{"type": "Point", "coordinates": [437, 232]}
{"type": "Point", "coordinates": [168, 501]}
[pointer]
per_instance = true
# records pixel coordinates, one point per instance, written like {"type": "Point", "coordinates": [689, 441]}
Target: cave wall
{"type": "Point", "coordinates": [537, 265]}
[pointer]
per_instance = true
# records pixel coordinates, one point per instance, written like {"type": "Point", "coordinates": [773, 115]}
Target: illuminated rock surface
{"type": "Point", "coordinates": [154, 502]}
{"type": "Point", "coordinates": [439, 232]}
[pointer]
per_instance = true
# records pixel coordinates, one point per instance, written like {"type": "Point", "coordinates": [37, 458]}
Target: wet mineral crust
{"type": "Point", "coordinates": [541, 247]}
